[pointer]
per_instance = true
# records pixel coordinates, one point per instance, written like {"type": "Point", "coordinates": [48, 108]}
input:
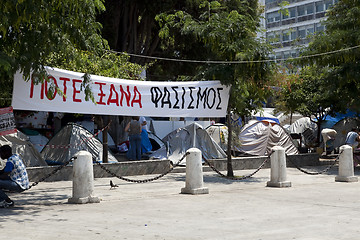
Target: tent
{"type": "Point", "coordinates": [258, 138]}
{"type": "Point", "coordinates": [306, 128]}
{"type": "Point", "coordinates": [68, 141]}
{"type": "Point", "coordinates": [342, 128]}
{"type": "Point", "coordinates": [22, 146]}
{"type": "Point", "coordinates": [219, 132]}
{"type": "Point", "coordinates": [180, 140]}
{"type": "Point", "coordinates": [263, 115]}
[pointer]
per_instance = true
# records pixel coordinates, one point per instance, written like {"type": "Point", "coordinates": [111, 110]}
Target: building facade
{"type": "Point", "coordinates": [289, 26]}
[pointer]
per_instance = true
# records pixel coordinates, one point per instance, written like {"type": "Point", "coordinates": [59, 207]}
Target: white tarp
{"type": "Point", "coordinates": [121, 97]}
{"type": "Point", "coordinates": [259, 137]}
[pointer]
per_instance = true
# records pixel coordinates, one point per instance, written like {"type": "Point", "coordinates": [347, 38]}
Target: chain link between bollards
{"type": "Point", "coordinates": [314, 173]}
{"type": "Point", "coordinates": [241, 177]}
{"type": "Point", "coordinates": [51, 173]}
{"type": "Point", "coordinates": [145, 180]}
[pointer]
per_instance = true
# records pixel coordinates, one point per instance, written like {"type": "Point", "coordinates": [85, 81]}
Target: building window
{"type": "Point", "coordinates": [328, 4]}
{"type": "Point", "coordinates": [273, 37]}
{"type": "Point", "coordinates": [309, 9]}
{"type": "Point", "coordinates": [273, 17]}
{"type": "Point", "coordinates": [286, 36]}
{"type": "Point", "coordinates": [301, 10]}
{"type": "Point", "coordinates": [319, 27]}
{"type": "Point", "coordinates": [302, 32]}
{"type": "Point", "coordinates": [309, 30]}
{"type": "Point", "coordinates": [319, 6]}
{"type": "Point", "coordinates": [291, 13]}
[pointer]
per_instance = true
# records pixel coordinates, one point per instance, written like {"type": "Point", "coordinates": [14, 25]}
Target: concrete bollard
{"type": "Point", "coordinates": [346, 165]}
{"type": "Point", "coordinates": [83, 179]}
{"type": "Point", "coordinates": [194, 174]}
{"type": "Point", "coordinates": [278, 168]}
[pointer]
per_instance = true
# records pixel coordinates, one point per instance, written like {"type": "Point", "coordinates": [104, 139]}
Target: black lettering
{"type": "Point", "coordinates": [166, 95]}
{"type": "Point", "coordinates": [183, 98]}
{"type": "Point", "coordinates": [201, 97]}
{"type": "Point", "coordinates": [211, 90]}
{"type": "Point", "coordinates": [156, 95]}
{"type": "Point", "coordinates": [176, 97]}
{"type": "Point", "coordinates": [219, 97]}
{"type": "Point", "coordinates": [192, 98]}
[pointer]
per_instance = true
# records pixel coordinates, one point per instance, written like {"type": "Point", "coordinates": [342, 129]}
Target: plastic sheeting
{"type": "Point", "coordinates": [259, 137]}
{"type": "Point", "coordinates": [22, 146]}
{"type": "Point", "coordinates": [342, 128]}
{"type": "Point", "coordinates": [180, 140]}
{"type": "Point", "coordinates": [71, 139]}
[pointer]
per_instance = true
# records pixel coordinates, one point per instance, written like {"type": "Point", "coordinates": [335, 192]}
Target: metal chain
{"type": "Point", "coordinates": [315, 173]}
{"type": "Point", "coordinates": [51, 173]}
{"type": "Point", "coordinates": [241, 177]}
{"type": "Point", "coordinates": [145, 180]}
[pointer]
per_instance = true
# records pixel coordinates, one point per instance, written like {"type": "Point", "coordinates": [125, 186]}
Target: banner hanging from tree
{"type": "Point", "coordinates": [7, 121]}
{"type": "Point", "coordinates": [120, 97]}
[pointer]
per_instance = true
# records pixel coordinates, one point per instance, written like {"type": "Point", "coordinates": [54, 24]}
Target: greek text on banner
{"type": "Point", "coordinates": [121, 97]}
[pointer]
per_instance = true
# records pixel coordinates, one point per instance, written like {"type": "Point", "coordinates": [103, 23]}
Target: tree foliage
{"type": "Point", "coordinates": [62, 34]}
{"type": "Point", "coordinates": [312, 95]}
{"type": "Point", "coordinates": [225, 31]}
{"type": "Point", "coordinates": [342, 32]}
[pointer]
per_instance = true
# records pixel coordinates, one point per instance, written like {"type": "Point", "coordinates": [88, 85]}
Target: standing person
{"type": "Point", "coordinates": [133, 128]}
{"type": "Point", "coordinates": [145, 141]}
{"type": "Point", "coordinates": [13, 177]}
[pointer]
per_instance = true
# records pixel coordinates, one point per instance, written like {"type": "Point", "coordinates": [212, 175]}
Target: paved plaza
{"type": "Point", "coordinates": [314, 207]}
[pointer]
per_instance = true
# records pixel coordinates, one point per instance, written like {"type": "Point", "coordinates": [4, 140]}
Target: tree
{"type": "Point", "coordinates": [65, 34]}
{"type": "Point", "coordinates": [225, 31]}
{"type": "Point", "coordinates": [31, 30]}
{"type": "Point", "coordinates": [313, 95]}
{"type": "Point", "coordinates": [342, 40]}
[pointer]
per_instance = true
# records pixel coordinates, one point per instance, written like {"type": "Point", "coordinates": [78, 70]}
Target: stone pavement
{"type": "Point", "coordinates": [315, 207]}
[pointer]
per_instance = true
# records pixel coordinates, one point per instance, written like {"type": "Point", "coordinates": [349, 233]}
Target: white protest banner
{"type": "Point", "coordinates": [7, 121]}
{"type": "Point", "coordinates": [122, 97]}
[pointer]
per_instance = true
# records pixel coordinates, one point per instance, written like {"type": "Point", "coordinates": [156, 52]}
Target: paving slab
{"type": "Point", "coordinates": [314, 207]}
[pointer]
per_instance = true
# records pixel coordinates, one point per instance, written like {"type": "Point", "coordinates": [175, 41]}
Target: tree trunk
{"type": "Point", "coordinates": [105, 140]}
{"type": "Point", "coordinates": [230, 172]}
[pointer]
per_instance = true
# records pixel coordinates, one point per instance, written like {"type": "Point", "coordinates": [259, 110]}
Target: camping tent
{"type": "Point", "coordinates": [219, 132]}
{"type": "Point", "coordinates": [22, 146]}
{"type": "Point", "coordinates": [180, 140]}
{"type": "Point", "coordinates": [71, 139]}
{"type": "Point", "coordinates": [342, 128]}
{"type": "Point", "coordinates": [263, 115]}
{"type": "Point", "coordinates": [306, 128]}
{"type": "Point", "coordinates": [258, 137]}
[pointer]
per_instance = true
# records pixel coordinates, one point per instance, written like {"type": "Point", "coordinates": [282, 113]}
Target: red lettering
{"type": "Point", "coordinates": [46, 88]}
{"type": "Point", "coordinates": [127, 96]}
{"type": "Point", "coordinates": [65, 87]}
{"type": "Point", "coordinates": [32, 86]}
{"type": "Point", "coordinates": [42, 91]}
{"type": "Point", "coordinates": [101, 94]}
{"type": "Point", "coordinates": [75, 90]}
{"type": "Point", "coordinates": [116, 99]}
{"type": "Point", "coordinates": [136, 93]}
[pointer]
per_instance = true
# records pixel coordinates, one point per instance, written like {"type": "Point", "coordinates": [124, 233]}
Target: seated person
{"type": "Point", "coordinates": [13, 177]}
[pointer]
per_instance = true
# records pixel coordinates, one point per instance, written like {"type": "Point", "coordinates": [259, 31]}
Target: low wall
{"type": "Point", "coordinates": [120, 169]}
{"type": "Point", "coordinates": [148, 167]}
{"type": "Point", "coordinates": [242, 163]}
